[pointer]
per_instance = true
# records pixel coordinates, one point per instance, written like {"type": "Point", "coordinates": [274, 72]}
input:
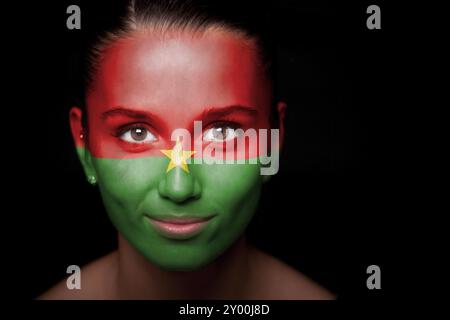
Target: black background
{"type": "Point", "coordinates": [327, 211]}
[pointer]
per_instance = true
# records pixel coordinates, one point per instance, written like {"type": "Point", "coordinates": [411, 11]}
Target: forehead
{"type": "Point", "coordinates": [183, 73]}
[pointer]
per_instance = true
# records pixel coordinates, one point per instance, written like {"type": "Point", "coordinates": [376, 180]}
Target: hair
{"type": "Point", "coordinates": [191, 15]}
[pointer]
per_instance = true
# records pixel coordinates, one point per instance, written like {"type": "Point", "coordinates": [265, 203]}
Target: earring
{"type": "Point", "coordinates": [81, 135]}
{"type": "Point", "coordinates": [92, 180]}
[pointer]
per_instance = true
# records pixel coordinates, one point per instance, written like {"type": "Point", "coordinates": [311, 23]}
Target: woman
{"type": "Point", "coordinates": [171, 67]}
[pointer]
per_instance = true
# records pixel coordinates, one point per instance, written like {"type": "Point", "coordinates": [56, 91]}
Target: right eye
{"type": "Point", "coordinates": [138, 134]}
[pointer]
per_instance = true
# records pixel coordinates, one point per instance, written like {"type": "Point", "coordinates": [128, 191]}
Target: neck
{"type": "Point", "coordinates": [224, 278]}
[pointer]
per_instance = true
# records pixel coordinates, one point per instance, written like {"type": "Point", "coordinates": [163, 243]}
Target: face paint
{"type": "Point", "coordinates": [179, 215]}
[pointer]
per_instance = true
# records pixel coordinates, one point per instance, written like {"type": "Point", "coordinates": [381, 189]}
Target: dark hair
{"type": "Point", "coordinates": [195, 15]}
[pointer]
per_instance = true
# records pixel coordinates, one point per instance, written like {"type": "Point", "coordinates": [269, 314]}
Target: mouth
{"type": "Point", "coordinates": [179, 228]}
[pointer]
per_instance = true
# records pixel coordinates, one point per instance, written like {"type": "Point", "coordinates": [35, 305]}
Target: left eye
{"type": "Point", "coordinates": [220, 134]}
{"type": "Point", "coordinates": [138, 135]}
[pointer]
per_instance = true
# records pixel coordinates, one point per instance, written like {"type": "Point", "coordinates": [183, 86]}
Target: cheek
{"type": "Point", "coordinates": [125, 183]}
{"type": "Point", "coordinates": [234, 189]}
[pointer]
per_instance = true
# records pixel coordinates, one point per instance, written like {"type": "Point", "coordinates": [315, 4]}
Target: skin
{"type": "Point", "coordinates": [242, 272]}
{"type": "Point", "coordinates": [173, 81]}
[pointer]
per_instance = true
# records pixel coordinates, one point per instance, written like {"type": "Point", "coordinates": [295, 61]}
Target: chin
{"type": "Point", "coordinates": [182, 261]}
{"type": "Point", "coordinates": [181, 265]}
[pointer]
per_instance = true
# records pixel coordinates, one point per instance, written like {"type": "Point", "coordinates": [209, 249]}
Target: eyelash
{"type": "Point", "coordinates": [123, 129]}
{"type": "Point", "coordinates": [224, 123]}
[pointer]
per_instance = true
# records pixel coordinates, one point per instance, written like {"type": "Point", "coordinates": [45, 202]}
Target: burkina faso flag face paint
{"type": "Point", "coordinates": [159, 109]}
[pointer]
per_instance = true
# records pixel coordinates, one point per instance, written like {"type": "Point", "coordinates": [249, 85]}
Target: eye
{"type": "Point", "coordinates": [220, 133]}
{"type": "Point", "coordinates": [137, 134]}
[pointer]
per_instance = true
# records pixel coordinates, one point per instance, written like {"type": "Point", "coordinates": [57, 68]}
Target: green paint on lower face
{"type": "Point", "coordinates": [134, 188]}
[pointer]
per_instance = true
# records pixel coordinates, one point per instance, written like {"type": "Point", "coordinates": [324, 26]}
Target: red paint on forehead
{"type": "Point", "coordinates": [175, 77]}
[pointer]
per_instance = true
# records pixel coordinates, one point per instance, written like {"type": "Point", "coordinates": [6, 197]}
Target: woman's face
{"type": "Point", "coordinates": [178, 216]}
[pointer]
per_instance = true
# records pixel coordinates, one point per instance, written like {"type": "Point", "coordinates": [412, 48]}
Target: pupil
{"type": "Point", "coordinates": [220, 133]}
{"type": "Point", "coordinates": [138, 134]}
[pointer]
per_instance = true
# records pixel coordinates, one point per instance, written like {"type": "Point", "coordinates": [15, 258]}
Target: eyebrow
{"type": "Point", "coordinates": [224, 111]}
{"type": "Point", "coordinates": [136, 114]}
{"type": "Point", "coordinates": [154, 120]}
{"type": "Point", "coordinates": [210, 113]}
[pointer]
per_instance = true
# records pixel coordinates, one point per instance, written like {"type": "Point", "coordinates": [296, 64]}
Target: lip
{"type": "Point", "coordinates": [179, 228]}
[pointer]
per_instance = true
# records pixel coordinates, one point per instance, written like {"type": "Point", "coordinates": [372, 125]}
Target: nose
{"type": "Point", "coordinates": [179, 186]}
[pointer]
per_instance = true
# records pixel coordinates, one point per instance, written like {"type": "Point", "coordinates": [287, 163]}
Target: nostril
{"type": "Point", "coordinates": [179, 186]}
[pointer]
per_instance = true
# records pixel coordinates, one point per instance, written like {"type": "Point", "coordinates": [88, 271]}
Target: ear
{"type": "Point", "coordinates": [80, 138]}
{"type": "Point", "coordinates": [281, 109]}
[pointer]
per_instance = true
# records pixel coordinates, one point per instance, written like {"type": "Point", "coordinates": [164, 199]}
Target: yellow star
{"type": "Point", "coordinates": [177, 157]}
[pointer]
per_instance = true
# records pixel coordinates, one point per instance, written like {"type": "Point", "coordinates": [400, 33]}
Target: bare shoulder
{"type": "Point", "coordinates": [96, 282]}
{"type": "Point", "coordinates": [277, 280]}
